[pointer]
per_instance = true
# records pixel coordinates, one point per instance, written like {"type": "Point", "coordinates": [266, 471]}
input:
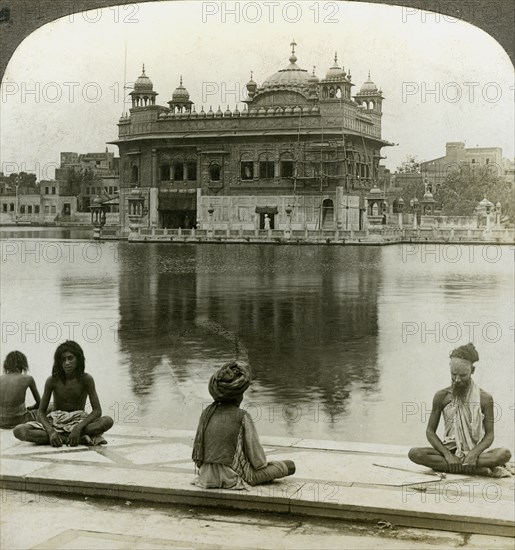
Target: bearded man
{"type": "Point", "coordinates": [468, 414]}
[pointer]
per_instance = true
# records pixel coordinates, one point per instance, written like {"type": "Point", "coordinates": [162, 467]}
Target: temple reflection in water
{"type": "Point", "coordinates": [306, 315]}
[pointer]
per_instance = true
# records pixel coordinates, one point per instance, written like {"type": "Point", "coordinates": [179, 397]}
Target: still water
{"type": "Point", "coordinates": [345, 343]}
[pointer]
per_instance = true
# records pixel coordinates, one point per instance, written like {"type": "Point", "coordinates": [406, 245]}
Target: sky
{"type": "Point", "coordinates": [443, 79]}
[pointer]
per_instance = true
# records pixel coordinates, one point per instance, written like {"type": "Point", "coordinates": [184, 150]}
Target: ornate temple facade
{"type": "Point", "coordinates": [301, 145]}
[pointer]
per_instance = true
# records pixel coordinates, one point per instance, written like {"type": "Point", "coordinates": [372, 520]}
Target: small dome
{"type": "Point", "coordinates": [368, 87]}
{"type": "Point", "coordinates": [486, 202]}
{"type": "Point", "coordinates": [194, 113]}
{"type": "Point", "coordinates": [236, 112]}
{"type": "Point", "coordinates": [287, 110]}
{"type": "Point", "coordinates": [315, 109]}
{"type": "Point", "coordinates": [210, 113]}
{"type": "Point", "coordinates": [143, 83]}
{"type": "Point", "coordinates": [180, 93]}
{"type": "Point", "coordinates": [271, 111]}
{"type": "Point", "coordinates": [228, 112]}
{"type": "Point", "coordinates": [335, 72]}
{"type": "Point", "coordinates": [375, 190]}
{"type": "Point", "coordinates": [313, 78]}
{"type": "Point", "coordinates": [202, 113]}
{"type": "Point", "coordinates": [219, 113]}
{"type": "Point", "coordinates": [251, 85]}
{"type": "Point", "coordinates": [296, 110]}
{"type": "Point", "coordinates": [261, 112]}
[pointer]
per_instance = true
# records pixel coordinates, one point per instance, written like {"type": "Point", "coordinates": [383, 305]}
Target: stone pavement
{"type": "Point", "coordinates": [351, 481]}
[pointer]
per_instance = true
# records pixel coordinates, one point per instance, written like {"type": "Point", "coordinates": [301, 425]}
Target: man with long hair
{"type": "Point", "coordinates": [14, 384]}
{"type": "Point", "coordinates": [468, 414]}
{"type": "Point", "coordinates": [69, 423]}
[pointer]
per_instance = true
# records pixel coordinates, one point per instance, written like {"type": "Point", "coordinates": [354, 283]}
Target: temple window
{"type": "Point", "coordinates": [287, 169]}
{"type": "Point", "coordinates": [266, 170]}
{"type": "Point", "coordinates": [134, 174]}
{"type": "Point", "coordinates": [214, 172]}
{"type": "Point", "coordinates": [178, 171]}
{"type": "Point", "coordinates": [165, 171]}
{"type": "Point", "coordinates": [191, 169]}
{"type": "Point", "coordinates": [247, 170]}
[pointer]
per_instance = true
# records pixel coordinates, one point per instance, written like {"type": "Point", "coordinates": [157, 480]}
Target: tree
{"type": "Point", "coordinates": [463, 189]}
{"type": "Point", "coordinates": [410, 166]}
{"type": "Point", "coordinates": [23, 179]}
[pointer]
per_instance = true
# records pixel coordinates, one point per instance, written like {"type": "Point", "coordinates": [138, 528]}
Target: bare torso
{"type": "Point", "coordinates": [13, 389]}
{"type": "Point", "coordinates": [70, 396]}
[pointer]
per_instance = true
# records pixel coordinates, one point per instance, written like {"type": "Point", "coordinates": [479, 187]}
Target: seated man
{"type": "Point", "coordinates": [227, 448]}
{"type": "Point", "coordinates": [68, 423]}
{"type": "Point", "coordinates": [13, 389]}
{"type": "Point", "coordinates": [468, 416]}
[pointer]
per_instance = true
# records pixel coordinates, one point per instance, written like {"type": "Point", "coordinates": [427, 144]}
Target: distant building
{"type": "Point", "coordinates": [302, 144]}
{"type": "Point", "coordinates": [459, 157]}
{"type": "Point", "coordinates": [90, 174]}
{"type": "Point", "coordinates": [42, 205]}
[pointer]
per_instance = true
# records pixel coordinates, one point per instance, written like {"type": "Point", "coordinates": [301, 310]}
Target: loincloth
{"type": "Point", "coordinates": [10, 421]}
{"type": "Point", "coordinates": [62, 422]}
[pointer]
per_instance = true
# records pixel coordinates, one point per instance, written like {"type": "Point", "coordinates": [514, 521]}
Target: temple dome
{"type": "Point", "coordinates": [335, 72]}
{"type": "Point", "coordinates": [368, 87]}
{"type": "Point", "coordinates": [290, 77]}
{"type": "Point", "coordinates": [180, 93]}
{"type": "Point", "coordinates": [143, 83]}
{"type": "Point", "coordinates": [251, 85]}
{"type": "Point", "coordinates": [313, 78]}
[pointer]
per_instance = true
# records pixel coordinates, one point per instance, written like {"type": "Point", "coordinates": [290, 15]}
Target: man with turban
{"type": "Point", "coordinates": [227, 450]}
{"type": "Point", "coordinates": [468, 415]}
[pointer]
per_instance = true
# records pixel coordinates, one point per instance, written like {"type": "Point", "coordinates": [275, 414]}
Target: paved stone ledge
{"type": "Point", "coordinates": [344, 480]}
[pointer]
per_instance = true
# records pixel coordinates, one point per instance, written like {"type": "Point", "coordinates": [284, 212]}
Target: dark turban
{"type": "Point", "coordinates": [229, 382]}
{"type": "Point", "coordinates": [467, 352]}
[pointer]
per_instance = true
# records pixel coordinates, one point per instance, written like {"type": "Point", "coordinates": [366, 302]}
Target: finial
{"type": "Point", "coordinates": [314, 67]}
{"type": "Point", "coordinates": [293, 44]}
{"type": "Point", "coordinates": [143, 68]}
{"type": "Point", "coordinates": [181, 79]}
{"type": "Point", "coordinates": [369, 74]}
{"type": "Point", "coordinates": [335, 57]}
{"type": "Point", "coordinates": [251, 75]}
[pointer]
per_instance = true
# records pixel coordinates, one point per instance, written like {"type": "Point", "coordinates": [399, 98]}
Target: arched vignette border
{"type": "Point", "coordinates": [13, 29]}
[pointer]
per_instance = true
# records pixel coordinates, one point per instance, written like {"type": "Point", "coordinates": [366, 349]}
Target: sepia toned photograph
{"type": "Point", "coordinates": [257, 274]}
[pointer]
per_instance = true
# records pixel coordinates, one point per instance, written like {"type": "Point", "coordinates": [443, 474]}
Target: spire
{"type": "Point", "coordinates": [335, 58]}
{"type": "Point", "coordinates": [369, 74]}
{"type": "Point", "coordinates": [293, 57]}
{"type": "Point", "coordinates": [314, 67]}
{"type": "Point", "coordinates": [143, 68]}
